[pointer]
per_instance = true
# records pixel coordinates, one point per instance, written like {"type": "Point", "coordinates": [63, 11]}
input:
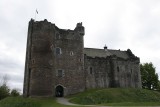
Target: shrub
{"type": "Point", "coordinates": [15, 92]}
{"type": "Point", "coordinates": [4, 91]}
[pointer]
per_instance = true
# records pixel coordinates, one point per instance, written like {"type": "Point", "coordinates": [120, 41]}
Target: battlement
{"type": "Point", "coordinates": [80, 29]}
{"type": "Point", "coordinates": [45, 20]}
{"type": "Point", "coordinates": [79, 24]}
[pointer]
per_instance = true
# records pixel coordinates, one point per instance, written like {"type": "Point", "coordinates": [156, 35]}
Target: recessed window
{"type": "Point", "coordinates": [91, 70]}
{"type": "Point", "coordinates": [60, 73]}
{"type": "Point", "coordinates": [71, 53]}
{"type": "Point", "coordinates": [117, 69]}
{"type": "Point", "coordinates": [58, 51]}
{"type": "Point", "coordinates": [58, 36]}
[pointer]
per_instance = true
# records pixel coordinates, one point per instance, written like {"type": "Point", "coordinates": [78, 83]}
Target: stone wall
{"type": "Point", "coordinates": [112, 72]}
{"type": "Point", "coordinates": [97, 72]}
{"type": "Point", "coordinates": [71, 60]}
{"type": "Point", "coordinates": [50, 50]}
{"type": "Point", "coordinates": [40, 74]}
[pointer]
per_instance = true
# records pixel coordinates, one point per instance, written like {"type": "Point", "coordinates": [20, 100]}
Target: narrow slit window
{"type": "Point", "coordinates": [71, 53]}
{"type": "Point", "coordinates": [117, 69]}
{"type": "Point", "coordinates": [91, 70]}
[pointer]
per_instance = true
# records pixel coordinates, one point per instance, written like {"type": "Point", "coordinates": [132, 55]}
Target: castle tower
{"type": "Point", "coordinates": [54, 60]}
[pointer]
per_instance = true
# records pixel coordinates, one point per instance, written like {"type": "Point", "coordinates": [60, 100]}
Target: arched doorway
{"type": "Point", "coordinates": [59, 91]}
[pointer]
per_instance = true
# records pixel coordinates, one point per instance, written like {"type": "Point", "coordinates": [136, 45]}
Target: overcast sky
{"type": "Point", "coordinates": [120, 24]}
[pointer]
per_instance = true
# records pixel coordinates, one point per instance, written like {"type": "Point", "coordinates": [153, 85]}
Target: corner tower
{"type": "Point", "coordinates": [54, 60]}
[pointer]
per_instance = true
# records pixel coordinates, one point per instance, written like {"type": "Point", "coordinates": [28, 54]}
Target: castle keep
{"type": "Point", "coordinates": [57, 64]}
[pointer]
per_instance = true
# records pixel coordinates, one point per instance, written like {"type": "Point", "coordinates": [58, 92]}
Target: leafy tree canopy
{"type": "Point", "coordinates": [149, 76]}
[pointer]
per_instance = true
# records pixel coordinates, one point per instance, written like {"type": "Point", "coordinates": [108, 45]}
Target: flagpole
{"type": "Point", "coordinates": [36, 12]}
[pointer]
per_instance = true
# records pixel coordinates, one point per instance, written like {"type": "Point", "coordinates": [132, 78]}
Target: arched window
{"type": "Point", "coordinates": [58, 51]}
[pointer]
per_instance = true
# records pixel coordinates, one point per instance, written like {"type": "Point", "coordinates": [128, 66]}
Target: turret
{"type": "Point", "coordinates": [79, 28]}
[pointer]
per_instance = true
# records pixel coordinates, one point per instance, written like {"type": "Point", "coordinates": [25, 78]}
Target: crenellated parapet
{"type": "Point", "coordinates": [80, 29]}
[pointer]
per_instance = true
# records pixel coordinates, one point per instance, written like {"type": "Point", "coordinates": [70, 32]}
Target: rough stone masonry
{"type": "Point", "coordinates": [57, 64]}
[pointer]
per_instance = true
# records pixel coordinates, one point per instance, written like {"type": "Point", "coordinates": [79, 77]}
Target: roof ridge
{"type": "Point", "coordinates": [107, 49]}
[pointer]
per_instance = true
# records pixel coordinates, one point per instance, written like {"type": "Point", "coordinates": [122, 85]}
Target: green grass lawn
{"type": "Point", "coordinates": [108, 97]}
{"type": "Point", "coordinates": [30, 102]}
{"type": "Point", "coordinates": [117, 96]}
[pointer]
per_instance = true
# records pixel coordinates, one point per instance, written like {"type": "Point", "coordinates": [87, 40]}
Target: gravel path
{"type": "Point", "coordinates": [65, 101]}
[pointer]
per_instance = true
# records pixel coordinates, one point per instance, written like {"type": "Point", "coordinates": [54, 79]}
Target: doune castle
{"type": "Point", "coordinates": [57, 64]}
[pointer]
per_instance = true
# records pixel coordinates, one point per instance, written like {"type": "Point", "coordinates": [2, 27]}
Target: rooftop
{"type": "Point", "coordinates": [92, 52]}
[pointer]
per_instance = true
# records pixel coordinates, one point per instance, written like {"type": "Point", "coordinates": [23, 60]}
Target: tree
{"type": "Point", "coordinates": [4, 89]}
{"type": "Point", "coordinates": [15, 92]}
{"type": "Point", "coordinates": [149, 76]}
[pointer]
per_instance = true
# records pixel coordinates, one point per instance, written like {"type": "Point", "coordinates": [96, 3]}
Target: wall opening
{"type": "Point", "coordinates": [59, 91]}
{"type": "Point", "coordinates": [60, 73]}
{"type": "Point", "coordinates": [117, 69]}
{"type": "Point", "coordinates": [91, 70]}
{"type": "Point", "coordinates": [58, 51]}
{"type": "Point", "coordinates": [71, 53]}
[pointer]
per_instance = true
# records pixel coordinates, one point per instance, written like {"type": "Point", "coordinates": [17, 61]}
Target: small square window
{"type": "Point", "coordinates": [60, 73]}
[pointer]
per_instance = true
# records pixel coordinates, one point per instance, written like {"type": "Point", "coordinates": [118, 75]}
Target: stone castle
{"type": "Point", "coordinates": [57, 64]}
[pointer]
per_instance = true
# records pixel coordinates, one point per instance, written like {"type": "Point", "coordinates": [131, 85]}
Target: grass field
{"type": "Point", "coordinates": [117, 96]}
{"type": "Point", "coordinates": [108, 97]}
{"type": "Point", "coordinates": [30, 102]}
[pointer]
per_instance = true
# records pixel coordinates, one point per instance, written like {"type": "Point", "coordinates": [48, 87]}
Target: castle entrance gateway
{"type": "Point", "coordinates": [59, 91]}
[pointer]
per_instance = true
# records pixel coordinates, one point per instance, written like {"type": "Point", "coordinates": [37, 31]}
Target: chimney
{"type": "Point", "coordinates": [105, 48]}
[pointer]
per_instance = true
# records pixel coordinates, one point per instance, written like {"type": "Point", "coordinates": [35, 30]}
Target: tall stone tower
{"type": "Point", "coordinates": [54, 60]}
